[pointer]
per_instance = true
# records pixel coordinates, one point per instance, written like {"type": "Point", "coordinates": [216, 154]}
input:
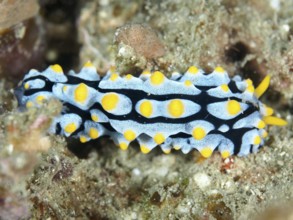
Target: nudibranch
{"type": "Point", "coordinates": [194, 110]}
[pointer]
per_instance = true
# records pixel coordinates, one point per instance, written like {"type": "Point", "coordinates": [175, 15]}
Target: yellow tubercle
{"type": "Point", "coordinates": [146, 109]}
{"type": "Point", "coordinates": [88, 64]}
{"type": "Point", "coordinates": [57, 68]}
{"type": "Point", "coordinates": [233, 107]}
{"type": "Point", "coordinates": [250, 89]}
{"type": "Point", "coordinates": [225, 88]}
{"type": "Point", "coordinates": [193, 70]}
{"type": "Point", "coordinates": [198, 133]}
{"type": "Point", "coordinates": [112, 69]}
{"type": "Point", "coordinates": [128, 76]}
{"type": "Point", "coordinates": [262, 87]}
{"type": "Point", "coordinates": [95, 118]}
{"type": "Point", "coordinates": [177, 147]}
{"type": "Point", "coordinates": [167, 151]}
{"type": "Point", "coordinates": [40, 99]}
{"type": "Point", "coordinates": [109, 101]}
{"type": "Point", "coordinates": [206, 152]}
{"type": "Point", "coordinates": [249, 82]}
{"type": "Point", "coordinates": [70, 128]}
{"type": "Point", "coordinates": [64, 88]}
{"type": "Point", "coordinates": [29, 104]}
{"type": "Point", "coordinates": [123, 145]}
{"type": "Point", "coordinates": [26, 85]}
{"type": "Point", "coordinates": [146, 73]}
{"type": "Point", "coordinates": [81, 93]}
{"type": "Point", "coordinates": [159, 138]}
{"type": "Point", "coordinates": [157, 78]}
{"type": "Point", "coordinates": [176, 108]}
{"type": "Point", "coordinates": [261, 124]}
{"type": "Point", "coordinates": [93, 133]}
{"type": "Point", "coordinates": [188, 83]}
{"type": "Point", "coordinates": [225, 154]}
{"type": "Point", "coordinates": [144, 149]}
{"type": "Point", "coordinates": [129, 135]}
{"type": "Point", "coordinates": [82, 138]}
{"type": "Point", "coordinates": [114, 76]}
{"type": "Point", "coordinates": [271, 120]}
{"type": "Point", "coordinates": [257, 140]}
{"type": "Point", "coordinates": [219, 69]}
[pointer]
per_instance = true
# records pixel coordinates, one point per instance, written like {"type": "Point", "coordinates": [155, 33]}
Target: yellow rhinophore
{"type": "Point", "coordinates": [268, 119]}
{"type": "Point", "coordinates": [262, 87]}
{"type": "Point", "coordinates": [271, 120]}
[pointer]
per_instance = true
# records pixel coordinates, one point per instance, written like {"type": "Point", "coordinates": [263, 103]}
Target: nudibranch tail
{"type": "Point", "coordinates": [194, 110]}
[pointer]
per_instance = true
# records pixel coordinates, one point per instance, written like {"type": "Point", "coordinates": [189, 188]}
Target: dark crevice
{"type": "Point", "coordinates": [60, 18]}
{"type": "Point", "coordinates": [237, 52]}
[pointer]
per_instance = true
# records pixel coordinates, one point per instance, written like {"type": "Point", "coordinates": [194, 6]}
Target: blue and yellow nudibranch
{"type": "Point", "coordinates": [190, 111]}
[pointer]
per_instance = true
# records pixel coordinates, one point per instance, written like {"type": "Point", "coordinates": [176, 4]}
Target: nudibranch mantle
{"type": "Point", "coordinates": [195, 110]}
